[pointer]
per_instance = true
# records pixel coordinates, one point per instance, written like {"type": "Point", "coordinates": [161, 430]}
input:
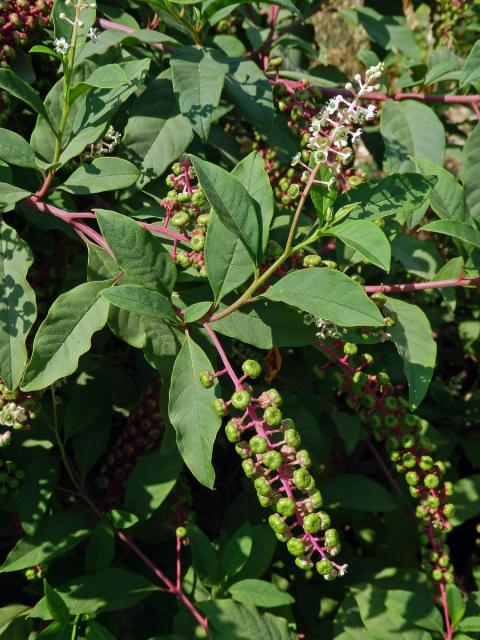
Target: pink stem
{"type": "Point", "coordinates": [448, 626]}
{"type": "Point", "coordinates": [417, 286]}
{"type": "Point", "coordinates": [179, 563]}
{"type": "Point", "coordinates": [223, 356]}
{"type": "Point", "coordinates": [172, 588]}
{"type": "Point", "coordinates": [116, 26]}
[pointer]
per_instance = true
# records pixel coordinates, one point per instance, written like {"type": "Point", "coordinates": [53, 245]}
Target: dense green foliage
{"type": "Point", "coordinates": [239, 320]}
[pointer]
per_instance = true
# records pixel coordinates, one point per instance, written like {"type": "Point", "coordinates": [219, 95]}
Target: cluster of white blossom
{"type": "Point", "coordinates": [61, 45]}
{"type": "Point", "coordinates": [326, 329]}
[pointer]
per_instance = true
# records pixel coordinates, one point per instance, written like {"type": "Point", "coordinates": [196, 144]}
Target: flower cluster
{"type": "Point", "coordinates": [17, 409]}
{"type": "Point", "coordinates": [10, 476]}
{"type": "Point", "coordinates": [141, 434]}
{"type": "Point", "coordinates": [273, 458]}
{"type": "Point", "coordinates": [373, 398]}
{"type": "Point", "coordinates": [61, 45]}
{"type": "Point", "coordinates": [187, 209]}
{"type": "Point", "coordinates": [19, 21]}
{"type": "Point", "coordinates": [106, 145]}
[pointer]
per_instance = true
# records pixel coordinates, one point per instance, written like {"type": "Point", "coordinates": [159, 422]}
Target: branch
{"type": "Point", "coordinates": [116, 26]}
{"type": "Point", "coordinates": [418, 286]}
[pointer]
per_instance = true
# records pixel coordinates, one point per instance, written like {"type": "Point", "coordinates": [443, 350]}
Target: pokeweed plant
{"type": "Point", "coordinates": [200, 229]}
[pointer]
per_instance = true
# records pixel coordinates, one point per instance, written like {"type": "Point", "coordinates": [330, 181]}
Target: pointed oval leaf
{"type": "Point", "coordinates": [459, 230]}
{"type": "Point", "coordinates": [367, 239]}
{"type": "Point", "coordinates": [142, 301]}
{"type": "Point", "coordinates": [15, 150]}
{"type": "Point", "coordinates": [103, 174]}
{"type": "Point", "coordinates": [259, 593]}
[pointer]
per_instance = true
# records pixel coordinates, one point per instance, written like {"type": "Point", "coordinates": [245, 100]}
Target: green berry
{"type": "Point", "coordinates": [431, 481]}
{"type": "Point", "coordinates": [292, 437]}
{"type": "Point", "coordinates": [312, 261]}
{"type": "Point", "coordinates": [232, 432]}
{"type": "Point", "coordinates": [409, 461]}
{"type": "Point", "coordinates": [390, 402]}
{"type": "Point", "coordinates": [220, 407]}
{"type": "Point", "coordinates": [296, 547]}
{"type": "Point", "coordinates": [197, 243]}
{"type": "Point", "coordinates": [206, 379]}
{"type": "Point", "coordinates": [180, 532]}
{"type": "Point", "coordinates": [286, 507]}
{"type": "Point", "coordinates": [312, 523]}
{"type": "Point", "coordinates": [273, 460]}
{"type": "Point", "coordinates": [241, 399]}
{"type": "Point", "coordinates": [350, 349]}
{"type": "Point", "coordinates": [265, 501]}
{"type": "Point", "coordinates": [324, 567]}
{"type": "Point", "coordinates": [251, 368]}
{"type": "Point", "coordinates": [272, 416]}
{"type": "Point", "coordinates": [316, 499]}
{"type": "Point", "coordinates": [277, 523]}
{"type": "Point", "coordinates": [248, 467]}
{"type": "Point", "coordinates": [258, 444]}
{"type": "Point", "coordinates": [303, 458]}
{"type": "Point", "coordinates": [262, 487]}
{"type": "Point", "coordinates": [412, 478]}
{"type": "Point", "coordinates": [426, 463]}
{"type": "Point", "coordinates": [449, 510]}
{"type": "Point", "coordinates": [301, 478]}
{"type": "Point", "coordinates": [303, 563]}
{"type": "Point", "coordinates": [180, 219]}
{"type": "Point", "coordinates": [243, 449]}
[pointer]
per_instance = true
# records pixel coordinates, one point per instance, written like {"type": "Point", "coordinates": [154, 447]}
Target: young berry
{"type": "Point", "coordinates": [316, 499]}
{"type": "Point", "coordinates": [262, 487]}
{"type": "Point", "coordinates": [241, 399]}
{"type": "Point", "coordinates": [325, 520]}
{"type": "Point", "coordinates": [286, 507]}
{"type": "Point", "coordinates": [292, 438]}
{"type": "Point", "coordinates": [331, 537]}
{"type": "Point", "coordinates": [273, 460]}
{"type": "Point", "coordinates": [409, 461]}
{"type": "Point", "coordinates": [197, 243]}
{"type": "Point", "coordinates": [303, 458]}
{"type": "Point", "coordinates": [426, 463]}
{"type": "Point", "coordinates": [296, 547]}
{"type": "Point", "coordinates": [243, 449]}
{"type": "Point", "coordinates": [350, 349]}
{"type": "Point", "coordinates": [449, 510]}
{"type": "Point", "coordinates": [379, 299]}
{"type": "Point", "coordinates": [258, 444]}
{"type": "Point", "coordinates": [301, 478]}
{"type": "Point", "coordinates": [312, 523]}
{"type": "Point", "coordinates": [272, 416]}
{"type": "Point", "coordinates": [324, 567]}
{"type": "Point", "coordinates": [431, 481]}
{"type": "Point", "coordinates": [275, 398]}
{"type": "Point", "coordinates": [180, 219]}
{"type": "Point", "coordinates": [303, 563]}
{"type": "Point", "coordinates": [312, 261]}
{"type": "Point", "coordinates": [206, 379]}
{"type": "Point", "coordinates": [232, 432]}
{"type": "Point", "coordinates": [390, 402]}
{"type": "Point", "coordinates": [180, 532]}
{"type": "Point", "coordinates": [412, 478]}
{"type": "Point", "coordinates": [383, 378]}
{"type": "Point", "coordinates": [265, 501]}
{"type": "Point", "coordinates": [248, 467]}
{"type": "Point", "coordinates": [277, 523]}
{"type": "Point", "coordinates": [251, 368]}
{"type": "Point", "coordinates": [203, 219]}
{"type": "Point", "coordinates": [220, 407]}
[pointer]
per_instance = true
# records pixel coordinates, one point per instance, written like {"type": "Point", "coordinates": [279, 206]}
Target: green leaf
{"type": "Point", "coordinates": [353, 491]}
{"type": "Point", "coordinates": [328, 294]}
{"type": "Point", "coordinates": [204, 556]}
{"type": "Point", "coordinates": [211, 7]}
{"type": "Point", "coordinates": [238, 550]}
{"type": "Point", "coordinates": [140, 300]}
{"type": "Point", "coordinates": [11, 83]}
{"type": "Point", "coordinates": [250, 90]}
{"type": "Point", "coordinates": [456, 604]}
{"type": "Point", "coordinates": [56, 535]}
{"type": "Point", "coordinates": [417, 608]}
{"type": "Point", "coordinates": [41, 48]}
{"type": "Point", "coordinates": [470, 623]}
{"type": "Point", "coordinates": [190, 411]}
{"type": "Point", "coordinates": [447, 197]}
{"type": "Point", "coordinates": [55, 605]}
{"type": "Point", "coordinates": [10, 195]}
{"type": "Point", "coordinates": [412, 335]}
{"type": "Point", "coordinates": [231, 201]}
{"type": "Point", "coordinates": [66, 334]}
{"type": "Point", "coordinates": [101, 547]}
{"type": "Point", "coordinates": [460, 230]}
{"type": "Point", "coordinates": [471, 68]}
{"type": "Point", "coordinates": [366, 238]}
{"type": "Point", "coordinates": [156, 133]}
{"type": "Point", "coordinates": [17, 305]}
{"type": "Point", "coordinates": [266, 325]}
{"type": "Point", "coordinates": [410, 128]}
{"type": "Point", "coordinates": [96, 631]}
{"type": "Point", "coordinates": [394, 194]}
{"type": "Point", "coordinates": [196, 311]}
{"type": "Point", "coordinates": [228, 619]}
{"type": "Point", "coordinates": [259, 593]}
{"type": "Point", "coordinates": [252, 174]}
{"type": "Point", "coordinates": [466, 498]}
{"type": "Point", "coordinates": [34, 493]}
{"type": "Point", "coordinates": [197, 76]}
{"type": "Point", "coordinates": [139, 253]}
{"type": "Point", "coordinates": [349, 428]}
{"type": "Point", "coordinates": [152, 479]}
{"type": "Point", "coordinates": [111, 589]}
{"type": "Point", "coordinates": [122, 519]}
{"type": "Point", "coordinates": [322, 196]}
{"type": "Point", "coordinates": [103, 174]}
{"type": "Point", "coordinates": [469, 173]}
{"type": "Point", "coordinates": [15, 150]}
{"type": "Point", "coordinates": [420, 257]}
{"type": "Point", "coordinates": [91, 443]}
{"type": "Point", "coordinates": [107, 76]}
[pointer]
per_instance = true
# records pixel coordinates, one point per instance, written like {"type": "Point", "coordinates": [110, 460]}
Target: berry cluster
{"type": "Point", "coordinates": [17, 409]}
{"type": "Point", "coordinates": [10, 476]}
{"type": "Point", "coordinates": [187, 209]}
{"type": "Point", "coordinates": [448, 16]}
{"type": "Point", "coordinates": [373, 398]}
{"type": "Point", "coordinates": [271, 456]}
{"type": "Point", "coordinates": [141, 434]}
{"type": "Point", "coordinates": [19, 20]}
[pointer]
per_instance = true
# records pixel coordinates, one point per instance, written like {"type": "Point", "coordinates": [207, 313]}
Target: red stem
{"type": "Point", "coordinates": [446, 615]}
{"type": "Point", "coordinates": [115, 26]}
{"type": "Point", "coordinates": [417, 286]}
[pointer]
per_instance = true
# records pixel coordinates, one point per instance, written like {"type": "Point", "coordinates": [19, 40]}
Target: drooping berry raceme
{"type": "Point", "coordinates": [17, 410]}
{"type": "Point", "coordinates": [270, 447]}
{"type": "Point", "coordinates": [19, 21]}
{"type": "Point", "coordinates": [374, 399]}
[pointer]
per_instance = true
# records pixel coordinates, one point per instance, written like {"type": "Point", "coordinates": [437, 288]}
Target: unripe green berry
{"type": "Point", "coordinates": [303, 563]}
{"type": "Point", "coordinates": [331, 537]}
{"type": "Point", "coordinates": [286, 507]}
{"type": "Point", "coordinates": [437, 575]}
{"type": "Point", "coordinates": [203, 219]}
{"type": "Point", "coordinates": [265, 501]}
{"type": "Point", "coordinates": [180, 532]}
{"type": "Point", "coordinates": [206, 379]}
{"type": "Point", "coordinates": [292, 437]}
{"type": "Point", "coordinates": [316, 499]}
{"type": "Point", "coordinates": [197, 243]}
{"type": "Point", "coordinates": [296, 547]}
{"type": "Point", "coordinates": [243, 449]}
{"type": "Point", "coordinates": [312, 261]}
{"type": "Point", "coordinates": [379, 299]}
{"type": "Point", "coordinates": [180, 219]}
{"type": "Point", "coordinates": [273, 460]}
{"type": "Point", "coordinates": [272, 416]}
{"type": "Point", "coordinates": [324, 567]}
{"type": "Point", "coordinates": [350, 349]}
{"type": "Point", "coordinates": [312, 523]}
{"type": "Point", "coordinates": [431, 481]}
{"type": "Point", "coordinates": [248, 467]}
{"type": "Point", "coordinates": [303, 458]}
{"type": "Point", "coordinates": [383, 378]}
{"type": "Point", "coordinates": [449, 510]}
{"type": "Point", "coordinates": [301, 478]}
{"type": "Point", "coordinates": [426, 463]}
{"type": "Point", "coordinates": [390, 402]}
{"type": "Point", "coordinates": [277, 523]}
{"type": "Point", "coordinates": [262, 487]}
{"type": "Point", "coordinates": [258, 444]}
{"type": "Point", "coordinates": [251, 368]}
{"type": "Point", "coordinates": [409, 461]}
{"type": "Point", "coordinates": [241, 399]}
{"type": "Point", "coordinates": [220, 407]}
{"type": "Point", "coordinates": [232, 432]}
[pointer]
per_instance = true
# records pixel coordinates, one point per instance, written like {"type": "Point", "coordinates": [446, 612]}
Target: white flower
{"type": "Point", "coordinates": [61, 46]}
{"type": "Point", "coordinates": [342, 570]}
{"type": "Point", "coordinates": [93, 34]}
{"type": "Point", "coordinates": [371, 112]}
{"type": "Point", "coordinates": [356, 135]}
{"type": "Point", "coordinates": [296, 159]}
{"type": "Point", "coordinates": [315, 127]}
